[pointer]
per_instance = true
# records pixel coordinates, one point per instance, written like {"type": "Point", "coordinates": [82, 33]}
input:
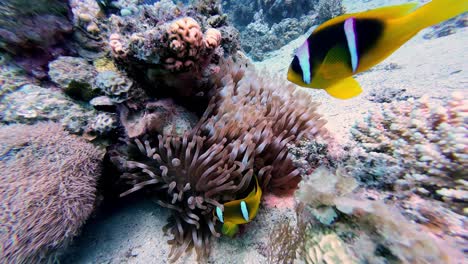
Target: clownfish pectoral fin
{"type": "Point", "coordinates": [229, 229]}
{"type": "Point", "coordinates": [336, 65]}
{"type": "Point", "coordinates": [344, 89]}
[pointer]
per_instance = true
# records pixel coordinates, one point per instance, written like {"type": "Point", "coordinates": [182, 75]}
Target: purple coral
{"type": "Point", "coordinates": [48, 189]}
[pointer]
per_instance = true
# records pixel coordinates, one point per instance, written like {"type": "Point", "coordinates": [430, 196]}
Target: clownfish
{"type": "Point", "coordinates": [353, 43]}
{"type": "Point", "coordinates": [239, 212]}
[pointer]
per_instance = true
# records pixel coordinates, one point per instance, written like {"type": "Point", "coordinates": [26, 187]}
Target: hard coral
{"type": "Point", "coordinates": [48, 189]}
{"type": "Point", "coordinates": [114, 84]}
{"type": "Point", "coordinates": [186, 43]}
{"type": "Point", "coordinates": [423, 144]}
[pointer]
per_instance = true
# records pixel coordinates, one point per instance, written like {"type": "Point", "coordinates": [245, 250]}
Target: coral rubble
{"type": "Point", "coordinates": [48, 188]}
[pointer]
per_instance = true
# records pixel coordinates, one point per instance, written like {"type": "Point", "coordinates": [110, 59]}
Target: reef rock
{"type": "Point", "coordinates": [34, 33]}
{"type": "Point", "coordinates": [32, 103]}
{"type": "Point", "coordinates": [75, 76]}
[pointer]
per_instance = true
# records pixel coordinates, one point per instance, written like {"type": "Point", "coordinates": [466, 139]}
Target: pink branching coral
{"type": "Point", "coordinates": [48, 189]}
{"type": "Point", "coordinates": [116, 45]}
{"type": "Point", "coordinates": [187, 43]}
{"type": "Point", "coordinates": [244, 132]}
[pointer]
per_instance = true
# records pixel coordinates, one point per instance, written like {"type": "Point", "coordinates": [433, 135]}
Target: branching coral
{"type": "Point", "coordinates": [187, 43]}
{"type": "Point", "coordinates": [244, 132]}
{"type": "Point", "coordinates": [48, 188]}
{"type": "Point", "coordinates": [420, 145]}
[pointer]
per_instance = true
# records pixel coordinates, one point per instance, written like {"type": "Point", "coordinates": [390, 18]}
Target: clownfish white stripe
{"type": "Point", "coordinates": [303, 56]}
{"type": "Point", "coordinates": [219, 214]}
{"type": "Point", "coordinates": [244, 210]}
{"type": "Point", "coordinates": [350, 32]}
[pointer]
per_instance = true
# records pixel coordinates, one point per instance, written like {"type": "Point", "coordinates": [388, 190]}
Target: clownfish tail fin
{"type": "Point", "coordinates": [436, 12]}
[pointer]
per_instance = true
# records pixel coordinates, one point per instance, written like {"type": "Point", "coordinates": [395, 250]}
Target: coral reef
{"type": "Point", "coordinates": [320, 189]}
{"type": "Point", "coordinates": [167, 47]}
{"type": "Point", "coordinates": [186, 43]}
{"type": "Point", "coordinates": [417, 146]}
{"type": "Point", "coordinates": [244, 131]}
{"type": "Point", "coordinates": [159, 117]}
{"type": "Point", "coordinates": [48, 188]}
{"type": "Point", "coordinates": [268, 25]}
{"type": "Point", "coordinates": [328, 9]}
{"type": "Point", "coordinates": [12, 77]}
{"type": "Point", "coordinates": [103, 123]}
{"type": "Point", "coordinates": [115, 85]}
{"type": "Point", "coordinates": [258, 37]}
{"type": "Point", "coordinates": [88, 38]}
{"type": "Point", "coordinates": [325, 246]}
{"type": "Point", "coordinates": [32, 103]}
{"type": "Point", "coordinates": [448, 27]}
{"type": "Point", "coordinates": [375, 231]}
{"type": "Point", "coordinates": [75, 76]}
{"type": "Point", "coordinates": [34, 33]}
{"type": "Point", "coordinates": [285, 242]}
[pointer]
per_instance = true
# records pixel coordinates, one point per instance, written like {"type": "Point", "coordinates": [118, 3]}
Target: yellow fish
{"type": "Point", "coordinates": [240, 211]}
{"type": "Point", "coordinates": [353, 43]}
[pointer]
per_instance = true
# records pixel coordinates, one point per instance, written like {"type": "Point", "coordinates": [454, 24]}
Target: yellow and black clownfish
{"type": "Point", "coordinates": [240, 211]}
{"type": "Point", "coordinates": [352, 43]}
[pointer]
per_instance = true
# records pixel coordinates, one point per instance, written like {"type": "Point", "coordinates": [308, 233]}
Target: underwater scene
{"type": "Point", "coordinates": [234, 131]}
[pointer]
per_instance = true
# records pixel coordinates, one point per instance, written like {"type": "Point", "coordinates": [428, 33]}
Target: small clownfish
{"type": "Point", "coordinates": [239, 212]}
{"type": "Point", "coordinates": [353, 43]}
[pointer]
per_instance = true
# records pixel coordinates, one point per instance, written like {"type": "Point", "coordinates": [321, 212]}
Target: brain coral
{"type": "Point", "coordinates": [48, 188]}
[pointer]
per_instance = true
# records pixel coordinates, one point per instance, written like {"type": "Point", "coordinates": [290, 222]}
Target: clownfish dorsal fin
{"type": "Point", "coordinates": [387, 12]}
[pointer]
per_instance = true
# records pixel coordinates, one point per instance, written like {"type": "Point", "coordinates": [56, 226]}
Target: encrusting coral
{"type": "Point", "coordinates": [244, 132]}
{"type": "Point", "coordinates": [48, 188]}
{"type": "Point", "coordinates": [114, 84]}
{"type": "Point", "coordinates": [416, 145]}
